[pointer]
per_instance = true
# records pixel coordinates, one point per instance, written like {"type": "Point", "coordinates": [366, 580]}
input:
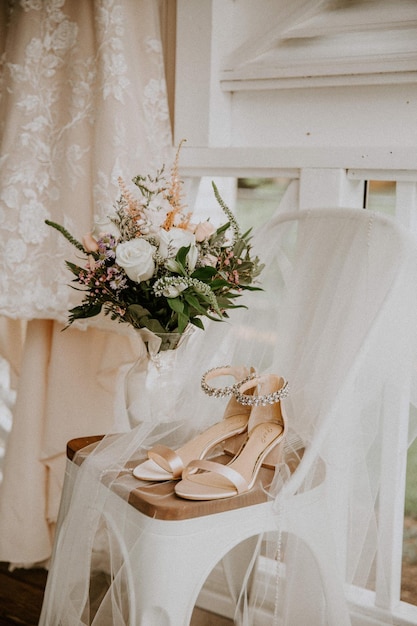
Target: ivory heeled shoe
{"type": "Point", "coordinates": [166, 464]}
{"type": "Point", "coordinates": [207, 480]}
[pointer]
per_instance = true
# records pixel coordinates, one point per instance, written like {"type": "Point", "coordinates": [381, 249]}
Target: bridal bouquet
{"type": "Point", "coordinates": [150, 266]}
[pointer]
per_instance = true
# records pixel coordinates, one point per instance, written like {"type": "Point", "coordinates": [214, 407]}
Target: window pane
{"type": "Point", "coordinates": [258, 199]}
{"type": "Point", "coordinates": [381, 196]}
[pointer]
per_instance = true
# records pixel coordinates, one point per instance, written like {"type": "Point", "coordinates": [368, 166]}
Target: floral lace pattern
{"type": "Point", "coordinates": [83, 100]}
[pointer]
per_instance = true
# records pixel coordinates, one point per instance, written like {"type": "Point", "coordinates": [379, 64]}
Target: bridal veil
{"type": "Point", "coordinates": [337, 319]}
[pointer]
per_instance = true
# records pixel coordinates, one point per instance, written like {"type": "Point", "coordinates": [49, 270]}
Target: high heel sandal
{"type": "Point", "coordinates": [266, 430]}
{"type": "Point", "coordinates": [166, 464]}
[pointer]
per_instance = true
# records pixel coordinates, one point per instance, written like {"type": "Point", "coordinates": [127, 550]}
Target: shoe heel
{"type": "Point", "coordinates": [274, 457]}
{"type": "Point", "coordinates": [263, 444]}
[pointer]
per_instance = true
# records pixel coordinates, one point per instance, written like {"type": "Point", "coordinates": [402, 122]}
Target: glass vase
{"type": "Point", "coordinates": [151, 383]}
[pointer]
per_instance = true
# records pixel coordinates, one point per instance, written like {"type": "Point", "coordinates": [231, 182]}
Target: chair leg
{"type": "Point", "coordinates": [308, 521]}
{"type": "Point", "coordinates": [168, 562]}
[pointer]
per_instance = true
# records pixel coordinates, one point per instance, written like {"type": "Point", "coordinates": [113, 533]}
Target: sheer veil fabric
{"type": "Point", "coordinates": [82, 101]}
{"type": "Point", "coordinates": [337, 320]}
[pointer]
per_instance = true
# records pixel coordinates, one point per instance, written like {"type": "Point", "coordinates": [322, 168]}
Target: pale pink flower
{"type": "Point", "coordinates": [210, 260]}
{"type": "Point", "coordinates": [203, 230]}
{"type": "Point", "coordinates": [89, 243]}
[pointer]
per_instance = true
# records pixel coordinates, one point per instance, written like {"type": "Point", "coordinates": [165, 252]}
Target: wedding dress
{"type": "Point", "coordinates": [337, 320]}
{"type": "Point", "coordinates": [82, 101]}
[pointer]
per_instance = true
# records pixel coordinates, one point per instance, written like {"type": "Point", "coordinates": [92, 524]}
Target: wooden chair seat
{"type": "Point", "coordinates": [159, 500]}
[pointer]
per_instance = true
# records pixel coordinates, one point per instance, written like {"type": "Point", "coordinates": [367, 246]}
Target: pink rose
{"type": "Point", "coordinates": [203, 230]}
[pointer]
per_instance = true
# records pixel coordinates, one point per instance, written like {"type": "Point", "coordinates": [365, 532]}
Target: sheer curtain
{"type": "Point", "coordinates": [82, 102]}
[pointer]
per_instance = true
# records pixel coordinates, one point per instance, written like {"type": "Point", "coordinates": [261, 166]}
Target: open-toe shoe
{"type": "Point", "coordinates": [163, 463]}
{"type": "Point", "coordinates": [207, 480]}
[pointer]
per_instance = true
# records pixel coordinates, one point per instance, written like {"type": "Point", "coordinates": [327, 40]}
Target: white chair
{"type": "Point", "coordinates": [163, 548]}
{"type": "Point", "coordinates": [170, 546]}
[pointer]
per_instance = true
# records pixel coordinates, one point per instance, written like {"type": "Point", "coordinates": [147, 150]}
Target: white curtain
{"type": "Point", "coordinates": [82, 102]}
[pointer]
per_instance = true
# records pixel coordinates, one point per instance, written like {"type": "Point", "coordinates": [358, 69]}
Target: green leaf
{"type": "Point", "coordinates": [197, 322]}
{"type": "Point", "coordinates": [176, 305]}
{"type": "Point", "coordinates": [246, 266]}
{"type": "Point", "coordinates": [181, 256]}
{"type": "Point", "coordinates": [250, 288]}
{"type": "Point", "coordinates": [216, 319]}
{"type": "Point", "coordinates": [182, 322]}
{"type": "Point", "coordinates": [218, 283]}
{"type": "Point", "coordinates": [154, 325]}
{"type": "Point", "coordinates": [194, 302]}
{"type": "Point", "coordinates": [204, 273]}
{"type": "Point", "coordinates": [239, 248]}
{"type": "Point", "coordinates": [229, 294]}
{"type": "Point", "coordinates": [234, 306]}
{"type": "Point", "coordinates": [84, 310]}
{"type": "Point", "coordinates": [140, 317]}
{"type": "Point", "coordinates": [192, 299]}
{"type": "Point", "coordinates": [137, 311]}
{"type": "Point", "coordinates": [245, 236]}
{"type": "Point", "coordinates": [75, 269]}
{"type": "Point", "coordinates": [222, 229]}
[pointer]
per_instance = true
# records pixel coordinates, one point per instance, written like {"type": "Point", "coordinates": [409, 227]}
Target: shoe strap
{"type": "Point", "coordinates": [240, 373]}
{"type": "Point", "coordinates": [236, 479]}
{"type": "Point", "coordinates": [254, 399]}
{"type": "Point", "coordinates": [167, 459]}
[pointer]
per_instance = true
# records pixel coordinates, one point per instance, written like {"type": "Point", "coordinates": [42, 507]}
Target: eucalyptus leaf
{"type": "Point", "coordinates": [239, 248]}
{"type": "Point", "coordinates": [137, 312]}
{"type": "Point", "coordinates": [154, 325]}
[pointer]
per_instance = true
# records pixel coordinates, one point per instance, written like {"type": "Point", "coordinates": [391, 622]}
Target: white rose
{"type": "Point", "coordinates": [136, 258]}
{"type": "Point", "coordinates": [170, 241]}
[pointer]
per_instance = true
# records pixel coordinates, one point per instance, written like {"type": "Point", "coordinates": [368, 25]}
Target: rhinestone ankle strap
{"type": "Point", "coordinates": [221, 392]}
{"type": "Point", "coordinates": [254, 400]}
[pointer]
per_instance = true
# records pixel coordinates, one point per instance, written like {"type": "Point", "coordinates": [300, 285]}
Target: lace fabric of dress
{"type": "Point", "coordinates": [337, 320]}
{"type": "Point", "coordinates": [82, 101]}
